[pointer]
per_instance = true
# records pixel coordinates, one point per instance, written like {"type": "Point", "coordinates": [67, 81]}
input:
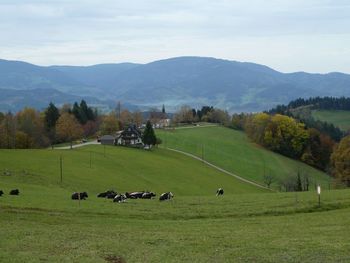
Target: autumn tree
{"type": "Point", "coordinates": [30, 122]}
{"type": "Point", "coordinates": [126, 118]}
{"type": "Point", "coordinates": [341, 161]}
{"type": "Point", "coordinates": [8, 131]}
{"type": "Point", "coordinates": [185, 114]}
{"type": "Point", "coordinates": [68, 128]}
{"type": "Point", "coordinates": [109, 124]}
{"type": "Point", "coordinates": [137, 118]}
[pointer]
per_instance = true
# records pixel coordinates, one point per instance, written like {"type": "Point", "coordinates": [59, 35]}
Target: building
{"type": "Point", "coordinates": [131, 136]}
{"type": "Point", "coordinates": [107, 140]}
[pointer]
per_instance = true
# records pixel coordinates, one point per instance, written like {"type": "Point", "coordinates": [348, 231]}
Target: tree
{"type": "Point", "coordinates": [148, 137]}
{"type": "Point", "coordinates": [137, 118]}
{"type": "Point", "coordinates": [51, 116]}
{"type": "Point", "coordinates": [68, 128]}
{"type": "Point", "coordinates": [8, 131]}
{"type": "Point", "coordinates": [30, 122]}
{"type": "Point", "coordinates": [341, 161]}
{"type": "Point", "coordinates": [268, 179]}
{"type": "Point", "coordinates": [126, 118]}
{"type": "Point", "coordinates": [110, 124]}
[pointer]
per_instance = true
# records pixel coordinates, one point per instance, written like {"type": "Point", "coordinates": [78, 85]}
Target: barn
{"type": "Point", "coordinates": [107, 140]}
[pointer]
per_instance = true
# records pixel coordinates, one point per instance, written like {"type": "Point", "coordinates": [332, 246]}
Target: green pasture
{"type": "Point", "coordinates": [247, 224]}
{"type": "Point", "coordinates": [339, 118]}
{"type": "Point", "coordinates": [232, 150]}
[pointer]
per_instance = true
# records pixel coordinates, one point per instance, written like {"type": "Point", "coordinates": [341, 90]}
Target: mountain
{"type": "Point", "coordinates": [196, 81]}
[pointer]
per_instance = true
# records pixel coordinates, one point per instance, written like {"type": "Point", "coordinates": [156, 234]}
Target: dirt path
{"type": "Point", "coordinates": [220, 169]}
{"type": "Point", "coordinates": [76, 145]}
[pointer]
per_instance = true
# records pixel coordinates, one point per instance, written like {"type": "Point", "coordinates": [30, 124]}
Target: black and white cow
{"type": "Point", "coordinates": [1, 192]}
{"type": "Point", "coordinates": [134, 195]}
{"type": "Point", "coordinates": [166, 196]}
{"type": "Point", "coordinates": [220, 191]}
{"type": "Point", "coordinates": [14, 192]}
{"type": "Point", "coordinates": [81, 196]}
{"type": "Point", "coordinates": [148, 195]}
{"type": "Point", "coordinates": [107, 193]}
{"type": "Point", "coordinates": [120, 198]}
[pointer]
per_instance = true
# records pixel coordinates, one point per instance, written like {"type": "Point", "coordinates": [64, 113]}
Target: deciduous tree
{"type": "Point", "coordinates": [68, 128]}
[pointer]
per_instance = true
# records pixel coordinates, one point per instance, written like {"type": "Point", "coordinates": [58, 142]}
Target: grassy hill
{"type": "Point", "coordinates": [339, 118]}
{"type": "Point", "coordinates": [122, 169]}
{"type": "Point", "coordinates": [232, 150]}
{"type": "Point", "coordinates": [244, 225]}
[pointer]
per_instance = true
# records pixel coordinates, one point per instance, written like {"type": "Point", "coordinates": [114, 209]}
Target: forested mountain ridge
{"type": "Point", "coordinates": [196, 81]}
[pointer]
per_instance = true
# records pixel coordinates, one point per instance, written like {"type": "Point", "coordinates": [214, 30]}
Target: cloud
{"type": "Point", "coordinates": [273, 32]}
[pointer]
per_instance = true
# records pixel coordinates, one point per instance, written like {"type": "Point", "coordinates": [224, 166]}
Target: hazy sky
{"type": "Point", "coordinates": [295, 35]}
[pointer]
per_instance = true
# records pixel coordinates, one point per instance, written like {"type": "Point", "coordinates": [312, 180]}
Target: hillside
{"type": "Point", "coordinates": [339, 118]}
{"type": "Point", "coordinates": [197, 81]}
{"type": "Point", "coordinates": [122, 169]}
{"type": "Point", "coordinates": [232, 150]}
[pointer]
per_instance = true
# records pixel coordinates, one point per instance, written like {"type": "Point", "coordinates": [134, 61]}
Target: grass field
{"type": "Point", "coordinates": [339, 118]}
{"type": "Point", "coordinates": [232, 150]}
{"type": "Point", "coordinates": [247, 224]}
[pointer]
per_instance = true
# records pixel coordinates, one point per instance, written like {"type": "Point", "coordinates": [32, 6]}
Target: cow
{"type": "Point", "coordinates": [134, 195]}
{"type": "Point", "coordinates": [14, 192]}
{"type": "Point", "coordinates": [148, 195]}
{"type": "Point", "coordinates": [107, 193]}
{"type": "Point", "coordinates": [220, 191]}
{"type": "Point", "coordinates": [1, 192]}
{"type": "Point", "coordinates": [166, 196]}
{"type": "Point", "coordinates": [81, 196]}
{"type": "Point", "coordinates": [120, 198]}
{"type": "Point", "coordinates": [111, 195]}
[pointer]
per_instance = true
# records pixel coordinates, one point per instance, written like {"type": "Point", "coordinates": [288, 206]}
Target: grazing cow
{"type": "Point", "coordinates": [134, 195]}
{"type": "Point", "coordinates": [119, 198]}
{"type": "Point", "coordinates": [148, 195]}
{"type": "Point", "coordinates": [14, 192]}
{"type": "Point", "coordinates": [166, 196]}
{"type": "Point", "coordinates": [1, 192]}
{"type": "Point", "coordinates": [220, 191]}
{"type": "Point", "coordinates": [81, 196]}
{"type": "Point", "coordinates": [107, 193]}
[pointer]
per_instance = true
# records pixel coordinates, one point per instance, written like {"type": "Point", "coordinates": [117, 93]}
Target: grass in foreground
{"type": "Point", "coordinates": [42, 224]}
{"type": "Point", "coordinates": [339, 118]}
{"type": "Point", "coordinates": [235, 228]}
{"type": "Point", "coordinates": [232, 150]}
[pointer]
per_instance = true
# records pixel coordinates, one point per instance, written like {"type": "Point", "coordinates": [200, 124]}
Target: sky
{"type": "Point", "coordinates": [289, 36]}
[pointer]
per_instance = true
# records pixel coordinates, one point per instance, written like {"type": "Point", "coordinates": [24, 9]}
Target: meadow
{"type": "Point", "coordinates": [232, 150]}
{"type": "Point", "coordinates": [247, 224]}
{"type": "Point", "coordinates": [339, 118]}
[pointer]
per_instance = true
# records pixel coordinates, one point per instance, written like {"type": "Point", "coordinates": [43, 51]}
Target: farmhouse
{"type": "Point", "coordinates": [131, 136]}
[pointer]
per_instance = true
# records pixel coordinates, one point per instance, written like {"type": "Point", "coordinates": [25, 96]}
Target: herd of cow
{"type": "Point", "coordinates": [111, 194]}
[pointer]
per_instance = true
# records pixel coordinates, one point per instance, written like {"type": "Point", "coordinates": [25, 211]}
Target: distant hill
{"type": "Point", "coordinates": [15, 100]}
{"type": "Point", "coordinates": [196, 81]}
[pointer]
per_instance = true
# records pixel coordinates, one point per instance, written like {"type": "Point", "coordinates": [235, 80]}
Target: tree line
{"type": "Point", "coordinates": [301, 109]}
{"type": "Point", "coordinates": [290, 137]}
{"type": "Point", "coordinates": [30, 128]}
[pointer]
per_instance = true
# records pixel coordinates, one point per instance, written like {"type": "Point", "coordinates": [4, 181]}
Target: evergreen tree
{"type": "Point", "coordinates": [51, 116]}
{"type": "Point", "coordinates": [149, 137]}
{"type": "Point", "coordinates": [298, 186]}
